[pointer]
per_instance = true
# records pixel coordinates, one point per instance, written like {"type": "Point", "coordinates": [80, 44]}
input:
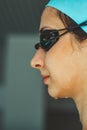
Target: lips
{"type": "Point", "coordinates": [45, 78]}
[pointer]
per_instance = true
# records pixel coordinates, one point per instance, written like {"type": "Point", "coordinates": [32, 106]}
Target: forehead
{"type": "Point", "coordinates": [50, 11]}
{"type": "Point", "coordinates": [50, 19]}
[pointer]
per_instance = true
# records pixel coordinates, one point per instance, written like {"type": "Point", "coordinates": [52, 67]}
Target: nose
{"type": "Point", "coordinates": [38, 59]}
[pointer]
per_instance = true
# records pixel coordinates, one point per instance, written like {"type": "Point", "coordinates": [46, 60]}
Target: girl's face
{"type": "Point", "coordinates": [60, 65]}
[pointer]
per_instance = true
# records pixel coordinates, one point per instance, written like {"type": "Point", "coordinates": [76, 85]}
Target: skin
{"type": "Point", "coordinates": [64, 67]}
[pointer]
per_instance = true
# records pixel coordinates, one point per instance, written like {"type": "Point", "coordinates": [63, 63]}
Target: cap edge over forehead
{"type": "Point", "coordinates": [76, 9]}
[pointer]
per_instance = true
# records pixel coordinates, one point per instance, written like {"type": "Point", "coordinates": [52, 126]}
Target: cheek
{"type": "Point", "coordinates": [64, 76]}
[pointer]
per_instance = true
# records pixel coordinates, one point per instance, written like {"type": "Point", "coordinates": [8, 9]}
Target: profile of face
{"type": "Point", "coordinates": [61, 66]}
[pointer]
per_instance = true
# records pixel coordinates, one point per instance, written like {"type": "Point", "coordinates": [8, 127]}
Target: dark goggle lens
{"type": "Point", "coordinates": [47, 39]}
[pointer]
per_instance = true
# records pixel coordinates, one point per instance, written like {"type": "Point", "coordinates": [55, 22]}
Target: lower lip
{"type": "Point", "coordinates": [46, 79]}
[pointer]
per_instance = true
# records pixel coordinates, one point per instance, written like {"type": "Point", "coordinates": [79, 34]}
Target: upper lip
{"type": "Point", "coordinates": [45, 76]}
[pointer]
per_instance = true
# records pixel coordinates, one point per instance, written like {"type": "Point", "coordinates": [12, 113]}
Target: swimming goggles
{"type": "Point", "coordinates": [49, 37]}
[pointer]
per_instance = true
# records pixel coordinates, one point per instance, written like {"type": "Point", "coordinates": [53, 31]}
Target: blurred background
{"type": "Point", "coordinates": [24, 101]}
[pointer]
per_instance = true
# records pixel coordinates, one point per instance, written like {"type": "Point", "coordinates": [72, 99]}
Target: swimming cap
{"type": "Point", "coordinates": [75, 9]}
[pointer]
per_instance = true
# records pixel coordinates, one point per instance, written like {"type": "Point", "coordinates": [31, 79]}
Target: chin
{"type": "Point", "coordinates": [55, 97]}
{"type": "Point", "coordinates": [52, 93]}
{"type": "Point", "coordinates": [56, 94]}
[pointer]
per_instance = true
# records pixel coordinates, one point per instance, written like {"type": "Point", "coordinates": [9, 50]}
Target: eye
{"type": "Point", "coordinates": [47, 39]}
{"type": "Point", "coordinates": [45, 35]}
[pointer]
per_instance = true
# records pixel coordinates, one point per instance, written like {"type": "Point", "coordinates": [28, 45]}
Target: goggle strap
{"type": "Point", "coordinates": [72, 28]}
{"type": "Point", "coordinates": [79, 25]}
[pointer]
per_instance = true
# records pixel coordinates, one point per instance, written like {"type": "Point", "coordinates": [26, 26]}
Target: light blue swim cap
{"type": "Point", "coordinates": [75, 9]}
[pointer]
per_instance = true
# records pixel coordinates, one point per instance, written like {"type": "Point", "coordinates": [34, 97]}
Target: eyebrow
{"type": "Point", "coordinates": [43, 28]}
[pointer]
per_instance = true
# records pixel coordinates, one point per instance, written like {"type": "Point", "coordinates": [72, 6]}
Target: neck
{"type": "Point", "coordinates": [81, 103]}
